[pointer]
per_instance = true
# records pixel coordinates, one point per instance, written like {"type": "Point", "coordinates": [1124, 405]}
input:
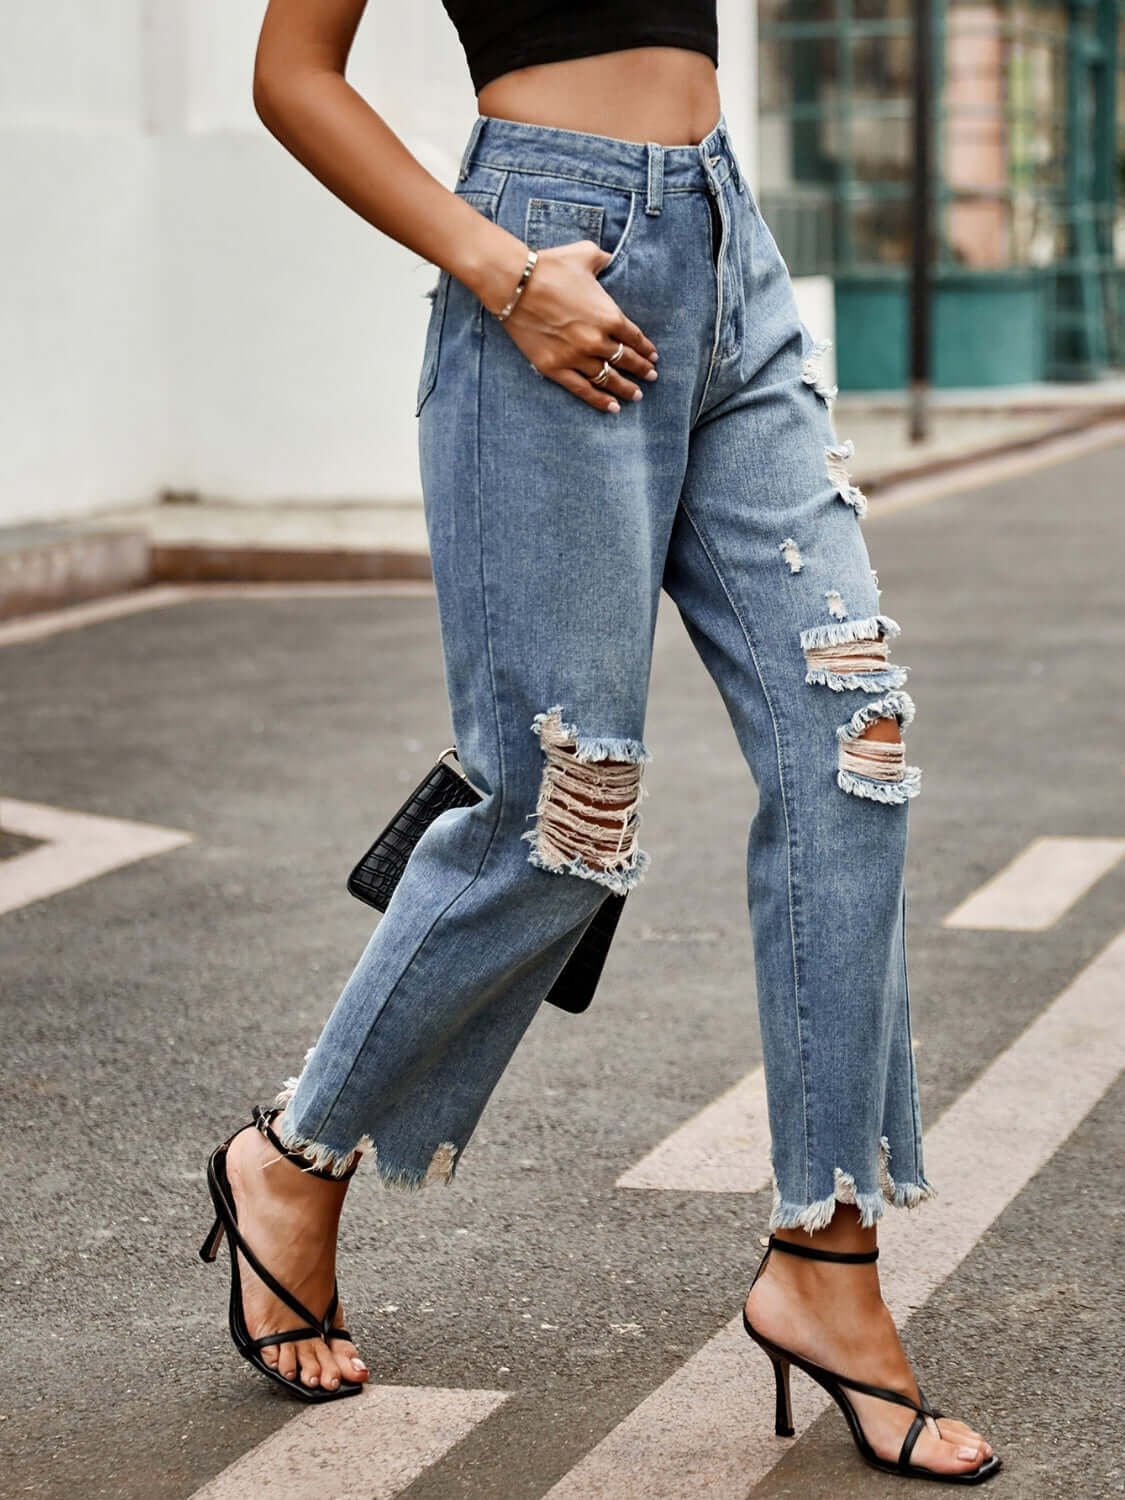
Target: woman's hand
{"type": "Point", "coordinates": [568, 325]}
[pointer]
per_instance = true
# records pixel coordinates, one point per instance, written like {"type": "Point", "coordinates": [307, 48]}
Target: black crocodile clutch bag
{"type": "Point", "coordinates": [375, 876]}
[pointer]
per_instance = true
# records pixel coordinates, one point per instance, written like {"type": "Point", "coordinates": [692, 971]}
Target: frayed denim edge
{"type": "Point", "coordinates": [812, 1217]}
{"type": "Point", "coordinates": [588, 747]}
{"type": "Point", "coordinates": [618, 881]}
{"type": "Point", "coordinates": [871, 628]}
{"type": "Point", "coordinates": [896, 704]}
{"type": "Point", "coordinates": [864, 682]}
{"type": "Point", "coordinates": [441, 1168]}
{"type": "Point", "coordinates": [881, 791]}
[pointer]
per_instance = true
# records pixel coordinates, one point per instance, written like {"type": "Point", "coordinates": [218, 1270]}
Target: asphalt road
{"type": "Point", "coordinates": [146, 1009]}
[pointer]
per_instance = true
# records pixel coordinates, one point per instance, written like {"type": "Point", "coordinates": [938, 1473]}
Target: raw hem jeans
{"type": "Point", "coordinates": [553, 528]}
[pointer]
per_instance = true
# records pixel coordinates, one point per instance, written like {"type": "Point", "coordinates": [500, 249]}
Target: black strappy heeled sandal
{"type": "Point", "coordinates": [836, 1385]}
{"type": "Point", "coordinates": [226, 1222]}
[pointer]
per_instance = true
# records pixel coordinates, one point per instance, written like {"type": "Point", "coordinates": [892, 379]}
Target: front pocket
{"type": "Point", "coordinates": [553, 221]}
{"type": "Point", "coordinates": [485, 204]}
{"type": "Point", "coordinates": [563, 221]}
{"type": "Point", "coordinates": [428, 375]}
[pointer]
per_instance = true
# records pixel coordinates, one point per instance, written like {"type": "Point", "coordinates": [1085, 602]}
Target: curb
{"type": "Point", "coordinates": [42, 568]}
{"type": "Point", "coordinates": [200, 562]}
{"type": "Point", "coordinates": [883, 479]}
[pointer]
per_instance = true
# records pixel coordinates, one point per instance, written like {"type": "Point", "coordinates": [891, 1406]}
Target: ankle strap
{"type": "Point", "coordinates": [840, 1257]}
{"type": "Point", "coordinates": [263, 1119]}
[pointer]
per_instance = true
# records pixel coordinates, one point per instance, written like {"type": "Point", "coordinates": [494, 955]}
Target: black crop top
{"type": "Point", "coordinates": [507, 34]}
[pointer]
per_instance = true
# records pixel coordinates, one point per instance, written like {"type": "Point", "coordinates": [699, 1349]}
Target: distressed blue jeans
{"type": "Point", "coordinates": [553, 528]}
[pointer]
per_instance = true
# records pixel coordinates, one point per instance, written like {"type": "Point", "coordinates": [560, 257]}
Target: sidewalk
{"type": "Point", "coordinates": [189, 540]}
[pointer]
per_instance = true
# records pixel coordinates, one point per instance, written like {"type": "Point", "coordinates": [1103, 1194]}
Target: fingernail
{"type": "Point", "coordinates": [654, 355]}
{"type": "Point", "coordinates": [637, 395]}
{"type": "Point", "coordinates": [312, 1380]}
{"type": "Point", "coordinates": [332, 1384]}
{"type": "Point", "coordinates": [652, 375]}
{"type": "Point", "coordinates": [359, 1365]}
{"type": "Point", "coordinates": [968, 1452]}
{"type": "Point", "coordinates": [613, 406]}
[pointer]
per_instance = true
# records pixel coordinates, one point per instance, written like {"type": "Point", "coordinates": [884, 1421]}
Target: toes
{"type": "Point", "coordinates": [348, 1361]}
{"type": "Point", "coordinates": [969, 1454]}
{"type": "Point", "coordinates": [330, 1370]}
{"type": "Point", "coordinates": [285, 1356]}
{"type": "Point", "coordinates": [960, 1434]}
{"type": "Point", "coordinates": [308, 1362]}
{"type": "Point", "coordinates": [954, 1453]}
{"type": "Point", "coordinates": [963, 1453]}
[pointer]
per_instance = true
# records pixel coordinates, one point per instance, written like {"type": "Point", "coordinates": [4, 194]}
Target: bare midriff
{"type": "Point", "coordinates": [664, 94]}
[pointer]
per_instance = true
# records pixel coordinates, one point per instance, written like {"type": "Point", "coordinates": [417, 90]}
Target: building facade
{"type": "Point", "coordinates": [1029, 130]}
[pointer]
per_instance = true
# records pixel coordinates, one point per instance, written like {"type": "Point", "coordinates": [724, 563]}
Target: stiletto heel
{"type": "Point", "coordinates": [210, 1246]}
{"type": "Point", "coordinates": [226, 1223]}
{"type": "Point", "coordinates": [783, 1420]}
{"type": "Point", "coordinates": [837, 1386]}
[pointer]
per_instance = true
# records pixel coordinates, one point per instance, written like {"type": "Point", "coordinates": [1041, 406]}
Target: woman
{"type": "Point", "coordinates": [601, 234]}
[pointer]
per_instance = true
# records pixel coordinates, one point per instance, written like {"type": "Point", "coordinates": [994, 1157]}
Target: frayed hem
{"type": "Point", "coordinates": [619, 881]}
{"type": "Point", "coordinates": [323, 1158]}
{"type": "Point", "coordinates": [871, 1206]}
{"type": "Point", "coordinates": [441, 1170]}
{"type": "Point", "coordinates": [812, 1217]}
{"type": "Point", "coordinates": [319, 1157]}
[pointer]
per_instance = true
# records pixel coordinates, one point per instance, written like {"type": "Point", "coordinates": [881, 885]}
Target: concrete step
{"type": "Point", "coordinates": [44, 568]}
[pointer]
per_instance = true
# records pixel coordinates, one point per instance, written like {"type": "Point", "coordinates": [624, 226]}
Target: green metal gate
{"type": "Point", "coordinates": [1030, 129]}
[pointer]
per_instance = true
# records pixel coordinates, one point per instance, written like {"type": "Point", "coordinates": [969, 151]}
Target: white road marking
{"type": "Point", "coordinates": [1040, 884]}
{"type": "Point", "coordinates": [708, 1430]}
{"type": "Point", "coordinates": [723, 1149]}
{"type": "Point", "coordinates": [51, 622]}
{"type": "Point", "coordinates": [78, 847]}
{"type": "Point", "coordinates": [367, 1447]}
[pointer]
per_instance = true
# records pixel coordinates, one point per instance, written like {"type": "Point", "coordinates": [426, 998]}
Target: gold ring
{"type": "Point", "coordinates": [603, 374]}
{"type": "Point", "coordinates": [613, 358]}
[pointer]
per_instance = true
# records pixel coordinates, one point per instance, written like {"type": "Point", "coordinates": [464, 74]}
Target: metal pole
{"type": "Point", "coordinates": [922, 215]}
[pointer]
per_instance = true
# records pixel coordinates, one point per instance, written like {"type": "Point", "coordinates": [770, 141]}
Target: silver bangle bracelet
{"type": "Point", "coordinates": [532, 257]}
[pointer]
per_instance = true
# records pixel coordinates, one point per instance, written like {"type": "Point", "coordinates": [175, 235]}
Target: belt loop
{"type": "Point", "coordinates": [655, 199]}
{"type": "Point", "coordinates": [470, 147]}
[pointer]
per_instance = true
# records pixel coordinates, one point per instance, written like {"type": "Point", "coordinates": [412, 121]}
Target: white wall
{"type": "Point", "coordinates": [297, 328]}
{"type": "Point", "coordinates": [183, 304]}
{"type": "Point", "coordinates": [83, 404]}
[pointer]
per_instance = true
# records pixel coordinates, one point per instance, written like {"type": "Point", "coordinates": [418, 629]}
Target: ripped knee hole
{"type": "Point", "coordinates": [587, 812]}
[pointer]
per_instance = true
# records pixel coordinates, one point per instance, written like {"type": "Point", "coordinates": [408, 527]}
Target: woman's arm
{"type": "Point", "coordinates": [565, 322]}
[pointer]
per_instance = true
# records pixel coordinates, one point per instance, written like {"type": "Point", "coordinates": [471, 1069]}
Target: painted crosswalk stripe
{"type": "Point", "coordinates": [709, 1428]}
{"type": "Point", "coordinates": [725, 1148]}
{"type": "Point", "coordinates": [367, 1447]}
{"type": "Point", "coordinates": [1041, 883]}
{"type": "Point", "coordinates": [75, 847]}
